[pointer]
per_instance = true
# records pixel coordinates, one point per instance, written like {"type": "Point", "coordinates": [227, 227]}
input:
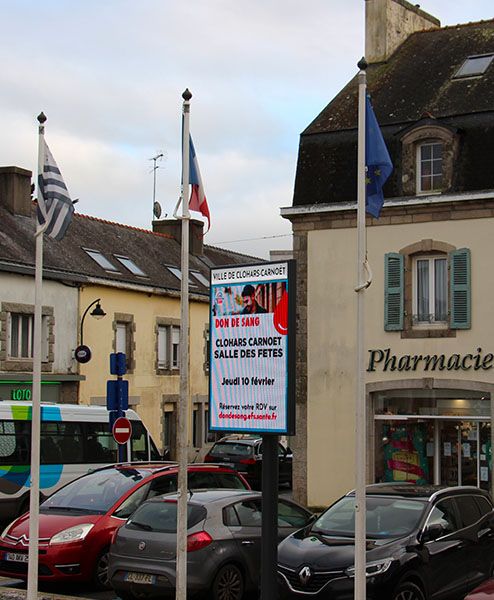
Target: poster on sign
{"type": "Point", "coordinates": [252, 348]}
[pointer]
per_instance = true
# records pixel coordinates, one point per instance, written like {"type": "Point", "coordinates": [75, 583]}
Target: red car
{"type": "Point", "coordinates": [77, 522]}
{"type": "Point", "coordinates": [485, 591]}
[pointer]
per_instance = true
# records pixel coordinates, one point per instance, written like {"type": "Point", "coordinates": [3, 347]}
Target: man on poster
{"type": "Point", "coordinates": [251, 306]}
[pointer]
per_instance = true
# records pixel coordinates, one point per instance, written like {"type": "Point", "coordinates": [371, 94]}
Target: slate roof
{"type": "Point", "coordinates": [67, 260]}
{"type": "Point", "coordinates": [415, 82]}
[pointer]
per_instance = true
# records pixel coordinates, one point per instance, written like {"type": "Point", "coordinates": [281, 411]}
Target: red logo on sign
{"type": "Point", "coordinates": [122, 430]}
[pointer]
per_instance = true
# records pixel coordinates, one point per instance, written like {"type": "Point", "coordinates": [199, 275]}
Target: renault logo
{"type": "Point", "coordinates": [141, 545]}
{"type": "Point", "coordinates": [304, 575]}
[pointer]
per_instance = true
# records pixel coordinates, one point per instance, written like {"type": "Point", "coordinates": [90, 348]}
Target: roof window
{"type": "Point", "coordinates": [200, 278]}
{"type": "Point", "coordinates": [130, 265]}
{"type": "Point", "coordinates": [101, 260]}
{"type": "Point", "coordinates": [178, 274]}
{"type": "Point", "coordinates": [474, 66]}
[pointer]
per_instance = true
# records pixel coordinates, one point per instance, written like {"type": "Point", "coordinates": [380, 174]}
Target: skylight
{"type": "Point", "coordinates": [178, 274]}
{"type": "Point", "coordinates": [101, 260]}
{"type": "Point", "coordinates": [130, 265]}
{"type": "Point", "coordinates": [474, 66]}
{"type": "Point", "coordinates": [200, 278]}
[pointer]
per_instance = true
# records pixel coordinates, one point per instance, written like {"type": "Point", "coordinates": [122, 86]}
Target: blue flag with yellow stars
{"type": "Point", "coordinates": [377, 161]}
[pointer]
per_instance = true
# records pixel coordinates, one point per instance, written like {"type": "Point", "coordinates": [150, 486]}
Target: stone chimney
{"type": "Point", "coordinates": [388, 23]}
{"type": "Point", "coordinates": [173, 227]}
{"type": "Point", "coordinates": [15, 190]}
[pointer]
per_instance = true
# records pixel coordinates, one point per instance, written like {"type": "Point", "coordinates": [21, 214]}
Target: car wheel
{"type": "Point", "coordinates": [228, 584]}
{"type": "Point", "coordinates": [408, 591]}
{"type": "Point", "coordinates": [100, 574]}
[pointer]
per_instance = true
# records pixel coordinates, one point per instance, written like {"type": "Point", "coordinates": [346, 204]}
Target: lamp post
{"type": "Point", "coordinates": [83, 353]}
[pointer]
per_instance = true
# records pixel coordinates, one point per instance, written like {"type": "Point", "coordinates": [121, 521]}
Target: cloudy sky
{"type": "Point", "coordinates": [109, 75]}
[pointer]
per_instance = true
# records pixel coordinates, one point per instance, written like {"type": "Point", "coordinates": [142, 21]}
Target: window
{"type": "Point", "coordinates": [429, 167]}
{"type": "Point", "coordinates": [101, 260]}
{"type": "Point", "coordinates": [200, 278]}
{"type": "Point", "coordinates": [430, 151]}
{"type": "Point", "coordinates": [178, 274]}
{"type": "Point", "coordinates": [99, 445]}
{"type": "Point", "coordinates": [21, 336]}
{"type": "Point", "coordinates": [427, 290]}
{"type": "Point", "coordinates": [474, 66]}
{"type": "Point", "coordinates": [124, 328]}
{"type": "Point", "coordinates": [168, 347]}
{"type": "Point", "coordinates": [130, 265]}
{"type": "Point", "coordinates": [430, 290]}
{"type": "Point", "coordinates": [444, 514]}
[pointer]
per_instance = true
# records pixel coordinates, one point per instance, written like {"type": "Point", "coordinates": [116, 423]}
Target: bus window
{"type": "Point", "coordinates": [100, 447]}
{"type": "Point", "coordinates": [61, 442]}
{"type": "Point", "coordinates": [15, 442]}
{"type": "Point", "coordinates": [138, 442]}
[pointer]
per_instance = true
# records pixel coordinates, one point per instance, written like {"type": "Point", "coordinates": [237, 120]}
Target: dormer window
{"type": "Point", "coordinates": [429, 167]}
{"type": "Point", "coordinates": [429, 153]}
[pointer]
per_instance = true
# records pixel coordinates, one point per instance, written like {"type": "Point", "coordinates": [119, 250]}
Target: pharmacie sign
{"type": "Point", "coordinates": [384, 360]}
{"type": "Point", "coordinates": [252, 348]}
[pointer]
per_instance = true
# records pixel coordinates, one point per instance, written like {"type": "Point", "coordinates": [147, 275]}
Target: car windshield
{"type": "Point", "coordinates": [385, 517]}
{"type": "Point", "coordinates": [95, 492]}
{"type": "Point", "coordinates": [231, 449]}
{"type": "Point", "coordinates": [162, 516]}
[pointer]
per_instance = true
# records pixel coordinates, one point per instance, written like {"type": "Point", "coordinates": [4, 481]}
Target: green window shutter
{"type": "Point", "coordinates": [393, 291]}
{"type": "Point", "coordinates": [460, 289]}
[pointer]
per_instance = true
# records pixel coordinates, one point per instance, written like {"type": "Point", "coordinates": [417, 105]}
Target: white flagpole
{"type": "Point", "coordinates": [32, 573]}
{"type": "Point", "coordinates": [360, 412]}
{"type": "Point", "coordinates": [183, 409]}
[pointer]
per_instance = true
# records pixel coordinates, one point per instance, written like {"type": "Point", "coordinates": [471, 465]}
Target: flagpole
{"type": "Point", "coordinates": [360, 405]}
{"type": "Point", "coordinates": [183, 409]}
{"type": "Point", "coordinates": [32, 575]}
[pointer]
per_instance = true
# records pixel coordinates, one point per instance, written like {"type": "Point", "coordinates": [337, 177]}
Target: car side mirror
{"type": "Point", "coordinates": [433, 531]}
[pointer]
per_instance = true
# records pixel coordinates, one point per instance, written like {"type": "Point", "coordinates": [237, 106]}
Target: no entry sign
{"type": "Point", "coordinates": [122, 430]}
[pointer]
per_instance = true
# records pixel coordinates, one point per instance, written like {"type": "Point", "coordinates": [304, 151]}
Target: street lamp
{"type": "Point", "coordinates": [83, 353]}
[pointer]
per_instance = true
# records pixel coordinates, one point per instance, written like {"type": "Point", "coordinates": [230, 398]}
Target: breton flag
{"type": "Point", "coordinates": [55, 208]}
{"type": "Point", "coordinates": [377, 161]}
{"type": "Point", "coordinates": [197, 200]}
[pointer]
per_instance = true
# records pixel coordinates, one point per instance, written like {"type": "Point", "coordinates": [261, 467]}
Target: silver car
{"type": "Point", "coordinates": [223, 545]}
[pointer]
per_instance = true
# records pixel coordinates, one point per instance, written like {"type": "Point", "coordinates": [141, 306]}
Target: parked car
{"type": "Point", "coordinates": [77, 522]}
{"type": "Point", "coordinates": [223, 545]}
{"type": "Point", "coordinates": [485, 591]}
{"type": "Point", "coordinates": [245, 454]}
{"type": "Point", "coordinates": [423, 542]}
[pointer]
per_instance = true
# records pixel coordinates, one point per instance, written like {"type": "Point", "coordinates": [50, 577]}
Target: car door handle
{"type": "Point", "coordinates": [247, 543]}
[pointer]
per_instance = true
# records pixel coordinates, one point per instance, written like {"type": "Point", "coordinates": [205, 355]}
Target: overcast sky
{"type": "Point", "coordinates": [109, 74]}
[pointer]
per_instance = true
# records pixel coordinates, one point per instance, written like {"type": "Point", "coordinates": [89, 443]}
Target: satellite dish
{"type": "Point", "coordinates": [157, 209]}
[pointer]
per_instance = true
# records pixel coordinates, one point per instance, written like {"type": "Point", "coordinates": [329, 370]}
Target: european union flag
{"type": "Point", "coordinates": [377, 161]}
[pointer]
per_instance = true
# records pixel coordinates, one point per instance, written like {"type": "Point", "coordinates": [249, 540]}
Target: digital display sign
{"type": "Point", "coordinates": [252, 348]}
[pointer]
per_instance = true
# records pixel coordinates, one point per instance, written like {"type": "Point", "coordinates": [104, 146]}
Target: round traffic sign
{"type": "Point", "coordinates": [122, 430]}
{"type": "Point", "coordinates": [82, 354]}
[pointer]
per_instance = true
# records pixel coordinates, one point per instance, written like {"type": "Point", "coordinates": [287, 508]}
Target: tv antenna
{"type": "Point", "coordinates": [156, 205]}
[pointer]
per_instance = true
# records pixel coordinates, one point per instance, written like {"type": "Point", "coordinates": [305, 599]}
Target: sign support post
{"type": "Point", "coordinates": [252, 376]}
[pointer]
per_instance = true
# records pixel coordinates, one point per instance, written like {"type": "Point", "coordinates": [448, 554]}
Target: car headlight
{"type": "Point", "coordinates": [72, 534]}
{"type": "Point", "coordinates": [376, 567]}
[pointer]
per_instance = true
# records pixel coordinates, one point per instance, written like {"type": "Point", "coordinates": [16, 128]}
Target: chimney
{"type": "Point", "coordinates": [388, 23]}
{"type": "Point", "coordinates": [173, 227]}
{"type": "Point", "coordinates": [15, 190]}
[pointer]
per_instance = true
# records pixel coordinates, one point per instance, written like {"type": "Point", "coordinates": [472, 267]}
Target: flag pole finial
{"type": "Point", "coordinates": [42, 118]}
{"type": "Point", "coordinates": [187, 95]}
{"type": "Point", "coordinates": [362, 64]}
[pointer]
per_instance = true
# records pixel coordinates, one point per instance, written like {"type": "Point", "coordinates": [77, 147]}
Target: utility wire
{"type": "Point", "coordinates": [266, 237]}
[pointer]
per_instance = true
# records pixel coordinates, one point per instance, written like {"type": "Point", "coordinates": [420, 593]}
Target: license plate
{"type": "Point", "coordinates": [16, 557]}
{"type": "Point", "coordinates": [132, 577]}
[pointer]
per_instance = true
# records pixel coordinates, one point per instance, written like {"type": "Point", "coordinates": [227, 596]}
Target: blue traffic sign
{"type": "Point", "coordinates": [118, 363]}
{"type": "Point", "coordinates": [117, 394]}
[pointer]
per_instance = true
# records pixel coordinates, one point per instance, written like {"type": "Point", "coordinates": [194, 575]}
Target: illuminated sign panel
{"type": "Point", "coordinates": [252, 337]}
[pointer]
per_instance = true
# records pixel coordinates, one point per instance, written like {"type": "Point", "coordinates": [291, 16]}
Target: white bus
{"type": "Point", "coordinates": [74, 439]}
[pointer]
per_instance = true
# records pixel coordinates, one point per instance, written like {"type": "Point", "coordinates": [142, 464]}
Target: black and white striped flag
{"type": "Point", "coordinates": [55, 207]}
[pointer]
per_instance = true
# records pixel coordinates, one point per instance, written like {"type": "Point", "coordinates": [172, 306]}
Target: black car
{"type": "Point", "coordinates": [245, 455]}
{"type": "Point", "coordinates": [423, 543]}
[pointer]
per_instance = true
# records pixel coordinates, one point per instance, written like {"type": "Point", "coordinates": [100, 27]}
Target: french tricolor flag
{"type": "Point", "coordinates": [198, 200]}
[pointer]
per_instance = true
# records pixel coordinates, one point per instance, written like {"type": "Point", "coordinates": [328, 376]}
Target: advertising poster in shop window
{"type": "Point", "coordinates": [252, 348]}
